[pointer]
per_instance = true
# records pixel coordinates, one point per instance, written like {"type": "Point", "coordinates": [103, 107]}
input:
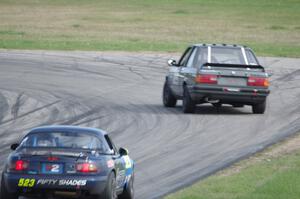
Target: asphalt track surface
{"type": "Point", "coordinates": [121, 93]}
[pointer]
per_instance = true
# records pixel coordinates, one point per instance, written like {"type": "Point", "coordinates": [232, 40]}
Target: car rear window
{"type": "Point", "coordinates": [227, 55]}
{"type": "Point", "coordinates": [64, 140]}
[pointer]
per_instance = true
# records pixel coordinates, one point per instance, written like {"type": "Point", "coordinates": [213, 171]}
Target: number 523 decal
{"type": "Point", "coordinates": [25, 182]}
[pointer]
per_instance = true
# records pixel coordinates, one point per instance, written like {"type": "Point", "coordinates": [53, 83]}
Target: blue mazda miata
{"type": "Point", "coordinates": [68, 161]}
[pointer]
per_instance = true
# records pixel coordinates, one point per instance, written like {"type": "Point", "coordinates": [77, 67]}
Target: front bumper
{"type": "Point", "coordinates": [231, 95]}
{"type": "Point", "coordinates": [87, 184]}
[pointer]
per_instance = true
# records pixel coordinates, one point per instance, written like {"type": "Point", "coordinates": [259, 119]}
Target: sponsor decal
{"type": "Point", "coordinates": [121, 178]}
{"type": "Point", "coordinates": [26, 182]}
{"type": "Point", "coordinates": [127, 179]}
{"type": "Point", "coordinates": [62, 182]}
{"type": "Point", "coordinates": [46, 182]}
{"type": "Point", "coordinates": [127, 162]}
{"type": "Point", "coordinates": [129, 171]}
{"type": "Point", "coordinates": [72, 182]}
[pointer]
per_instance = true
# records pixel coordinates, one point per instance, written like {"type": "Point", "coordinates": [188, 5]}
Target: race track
{"type": "Point", "coordinates": [121, 93]}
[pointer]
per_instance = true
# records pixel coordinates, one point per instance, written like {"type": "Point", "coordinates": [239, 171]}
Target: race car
{"type": "Point", "coordinates": [68, 161]}
{"type": "Point", "coordinates": [217, 74]}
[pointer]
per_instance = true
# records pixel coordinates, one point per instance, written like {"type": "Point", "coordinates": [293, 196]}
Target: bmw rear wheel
{"type": "Point", "coordinates": [259, 108]}
{"type": "Point", "coordinates": [168, 98]}
{"type": "Point", "coordinates": [188, 105]}
{"type": "Point", "coordinates": [217, 105]}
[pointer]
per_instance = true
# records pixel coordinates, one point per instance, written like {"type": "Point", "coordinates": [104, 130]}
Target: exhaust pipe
{"type": "Point", "coordinates": [212, 101]}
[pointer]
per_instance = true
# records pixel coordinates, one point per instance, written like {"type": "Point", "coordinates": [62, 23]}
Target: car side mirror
{"type": "Point", "coordinates": [123, 151]}
{"type": "Point", "coordinates": [14, 146]}
{"type": "Point", "coordinates": [172, 62]}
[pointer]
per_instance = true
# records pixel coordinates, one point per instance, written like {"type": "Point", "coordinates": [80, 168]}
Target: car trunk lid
{"type": "Point", "coordinates": [43, 161]}
{"type": "Point", "coordinates": [232, 75]}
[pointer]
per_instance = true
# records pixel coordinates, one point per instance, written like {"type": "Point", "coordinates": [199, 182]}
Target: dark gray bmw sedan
{"type": "Point", "coordinates": [217, 74]}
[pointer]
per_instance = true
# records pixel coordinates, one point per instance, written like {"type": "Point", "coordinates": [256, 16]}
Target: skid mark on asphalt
{"type": "Point", "coordinates": [3, 107]}
{"type": "Point", "coordinates": [15, 108]}
{"type": "Point", "coordinates": [29, 112]}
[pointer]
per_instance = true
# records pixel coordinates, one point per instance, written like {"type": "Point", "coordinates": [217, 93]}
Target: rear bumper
{"type": "Point", "coordinates": [53, 183]}
{"type": "Point", "coordinates": [229, 95]}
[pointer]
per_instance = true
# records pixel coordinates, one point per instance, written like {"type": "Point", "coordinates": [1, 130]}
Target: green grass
{"type": "Point", "coordinates": [277, 178]}
{"type": "Point", "coordinates": [271, 27]}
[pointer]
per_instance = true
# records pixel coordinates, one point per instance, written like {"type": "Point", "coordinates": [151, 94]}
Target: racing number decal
{"type": "Point", "coordinates": [31, 183]}
{"type": "Point", "coordinates": [55, 168]}
{"type": "Point", "coordinates": [127, 162]}
{"type": "Point", "coordinates": [25, 182]}
{"type": "Point", "coordinates": [21, 182]}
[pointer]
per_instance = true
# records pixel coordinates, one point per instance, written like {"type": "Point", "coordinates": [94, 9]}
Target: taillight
{"type": "Point", "coordinates": [21, 165]}
{"type": "Point", "coordinates": [86, 167]}
{"type": "Point", "coordinates": [258, 81]}
{"type": "Point", "coordinates": [206, 79]}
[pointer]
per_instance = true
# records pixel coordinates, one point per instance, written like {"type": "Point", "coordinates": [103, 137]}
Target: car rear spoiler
{"type": "Point", "coordinates": [235, 66]}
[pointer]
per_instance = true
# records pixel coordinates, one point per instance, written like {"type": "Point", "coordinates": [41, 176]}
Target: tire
{"type": "Point", "coordinates": [188, 106]}
{"type": "Point", "coordinates": [238, 106]}
{"type": "Point", "coordinates": [168, 98]}
{"type": "Point", "coordinates": [5, 194]}
{"type": "Point", "coordinates": [128, 192]}
{"type": "Point", "coordinates": [217, 105]}
{"type": "Point", "coordinates": [110, 190]}
{"type": "Point", "coordinates": [259, 108]}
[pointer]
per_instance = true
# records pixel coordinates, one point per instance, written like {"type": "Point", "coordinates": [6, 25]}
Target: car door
{"type": "Point", "coordinates": [187, 71]}
{"type": "Point", "coordinates": [172, 77]}
{"type": "Point", "coordinates": [119, 163]}
{"type": "Point", "coordinates": [176, 84]}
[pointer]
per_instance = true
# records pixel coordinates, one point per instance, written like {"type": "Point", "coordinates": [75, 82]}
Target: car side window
{"type": "Point", "coordinates": [185, 57]}
{"type": "Point", "coordinates": [191, 61]}
{"type": "Point", "coordinates": [201, 57]}
{"type": "Point", "coordinates": [251, 58]}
